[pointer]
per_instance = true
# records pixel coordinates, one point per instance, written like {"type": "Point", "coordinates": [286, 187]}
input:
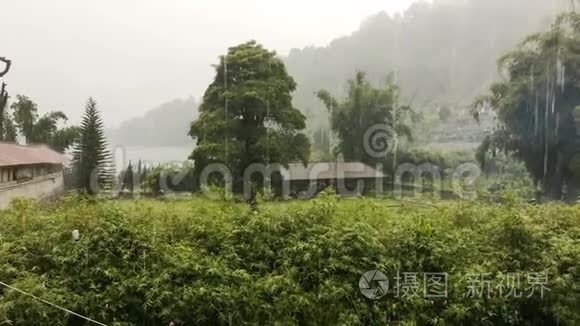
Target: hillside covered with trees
{"type": "Point", "coordinates": [442, 53]}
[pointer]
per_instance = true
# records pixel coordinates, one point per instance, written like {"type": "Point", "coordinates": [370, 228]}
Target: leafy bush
{"type": "Point", "coordinates": [169, 177]}
{"type": "Point", "coordinates": [207, 262]}
{"type": "Point", "coordinates": [442, 159]}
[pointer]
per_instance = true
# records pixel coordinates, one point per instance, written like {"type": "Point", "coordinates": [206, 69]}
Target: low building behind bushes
{"type": "Point", "coordinates": [29, 171]}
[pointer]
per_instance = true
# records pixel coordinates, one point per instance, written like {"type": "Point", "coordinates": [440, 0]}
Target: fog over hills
{"type": "Point", "coordinates": [131, 56]}
{"type": "Point", "coordinates": [442, 53]}
{"type": "Point", "coordinates": [165, 125]}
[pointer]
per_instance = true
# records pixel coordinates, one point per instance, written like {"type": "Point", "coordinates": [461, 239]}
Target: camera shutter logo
{"type": "Point", "coordinates": [373, 285]}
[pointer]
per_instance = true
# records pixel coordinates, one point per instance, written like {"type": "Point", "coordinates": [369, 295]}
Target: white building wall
{"type": "Point", "coordinates": [43, 187]}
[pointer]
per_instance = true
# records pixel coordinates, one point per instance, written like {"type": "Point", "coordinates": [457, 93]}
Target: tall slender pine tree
{"type": "Point", "coordinates": [92, 158]}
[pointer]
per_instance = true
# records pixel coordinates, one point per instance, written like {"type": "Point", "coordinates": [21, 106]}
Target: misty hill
{"type": "Point", "coordinates": [166, 125]}
{"type": "Point", "coordinates": [443, 53]}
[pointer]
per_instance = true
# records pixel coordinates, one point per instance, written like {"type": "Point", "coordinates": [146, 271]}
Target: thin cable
{"type": "Point", "coordinates": [52, 304]}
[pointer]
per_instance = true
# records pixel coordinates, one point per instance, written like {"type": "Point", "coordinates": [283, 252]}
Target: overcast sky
{"type": "Point", "coordinates": [132, 55]}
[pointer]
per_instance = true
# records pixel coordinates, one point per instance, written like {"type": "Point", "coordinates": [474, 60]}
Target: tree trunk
{"type": "Point", "coordinates": [7, 64]}
{"type": "Point", "coordinates": [3, 101]}
{"type": "Point", "coordinates": [553, 188]}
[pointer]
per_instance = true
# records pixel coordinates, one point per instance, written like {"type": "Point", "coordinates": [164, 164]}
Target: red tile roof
{"type": "Point", "coordinates": [13, 155]}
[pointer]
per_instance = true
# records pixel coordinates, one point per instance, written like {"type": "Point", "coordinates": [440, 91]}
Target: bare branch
{"type": "Point", "coordinates": [7, 68]}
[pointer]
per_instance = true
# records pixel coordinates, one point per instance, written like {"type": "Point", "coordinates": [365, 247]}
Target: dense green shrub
{"type": "Point", "coordinates": [169, 177]}
{"type": "Point", "coordinates": [442, 159]}
{"type": "Point", "coordinates": [204, 262]}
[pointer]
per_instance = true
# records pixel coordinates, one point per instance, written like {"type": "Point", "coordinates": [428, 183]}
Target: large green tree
{"type": "Point", "coordinates": [39, 129]}
{"type": "Point", "coordinates": [247, 114]}
{"type": "Point", "coordinates": [366, 108]}
{"type": "Point", "coordinates": [535, 106]}
{"type": "Point", "coordinates": [92, 159]}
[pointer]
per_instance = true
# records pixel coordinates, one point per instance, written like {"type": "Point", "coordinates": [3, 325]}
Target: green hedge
{"type": "Point", "coordinates": [442, 159]}
{"type": "Point", "coordinates": [201, 262]}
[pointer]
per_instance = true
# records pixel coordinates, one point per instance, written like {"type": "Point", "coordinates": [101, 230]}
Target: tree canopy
{"type": "Point", "coordinates": [46, 129]}
{"type": "Point", "coordinates": [92, 159]}
{"type": "Point", "coordinates": [535, 104]}
{"type": "Point", "coordinates": [364, 107]}
{"type": "Point", "coordinates": [247, 114]}
{"type": "Point", "coordinates": [443, 51]}
{"type": "Point", "coordinates": [8, 130]}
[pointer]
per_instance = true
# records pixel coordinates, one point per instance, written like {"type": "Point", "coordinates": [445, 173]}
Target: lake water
{"type": "Point", "coordinates": [150, 155]}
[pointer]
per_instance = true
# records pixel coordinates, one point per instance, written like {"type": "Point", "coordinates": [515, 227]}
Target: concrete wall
{"type": "Point", "coordinates": [43, 187]}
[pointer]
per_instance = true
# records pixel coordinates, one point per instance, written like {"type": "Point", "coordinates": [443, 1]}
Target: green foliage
{"type": "Point", "coordinates": [535, 104]}
{"type": "Point", "coordinates": [209, 262]}
{"type": "Point", "coordinates": [247, 115]}
{"type": "Point", "coordinates": [92, 159]}
{"type": "Point", "coordinates": [128, 179]}
{"type": "Point", "coordinates": [26, 114]}
{"type": "Point", "coordinates": [365, 107]}
{"type": "Point", "coordinates": [133, 179]}
{"type": "Point", "coordinates": [36, 129]}
{"type": "Point", "coordinates": [8, 131]}
{"type": "Point", "coordinates": [169, 177]}
{"type": "Point", "coordinates": [442, 159]}
{"type": "Point", "coordinates": [436, 47]}
{"type": "Point", "coordinates": [220, 193]}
